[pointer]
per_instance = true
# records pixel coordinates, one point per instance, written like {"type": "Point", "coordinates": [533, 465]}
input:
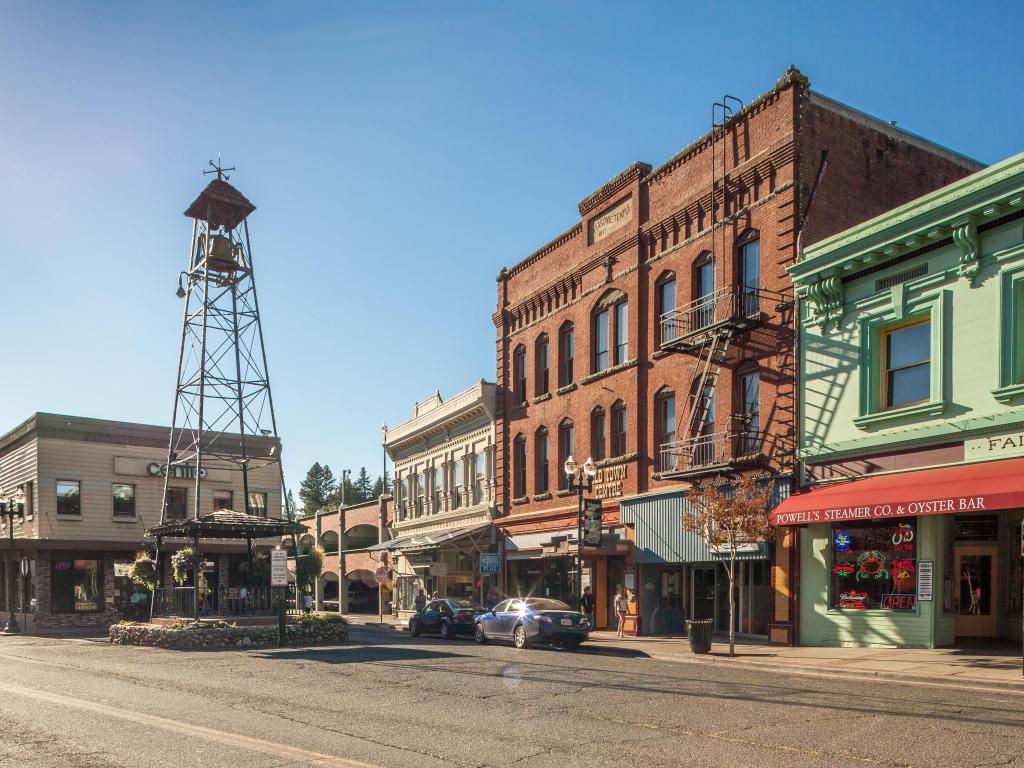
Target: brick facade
{"type": "Point", "coordinates": [647, 224]}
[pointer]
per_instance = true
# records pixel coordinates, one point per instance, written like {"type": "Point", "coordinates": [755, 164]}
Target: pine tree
{"type": "Point", "coordinates": [378, 491]}
{"type": "Point", "coordinates": [317, 489]}
{"type": "Point", "coordinates": [363, 485]}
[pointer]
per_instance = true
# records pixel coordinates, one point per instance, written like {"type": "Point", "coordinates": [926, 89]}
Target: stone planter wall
{"type": "Point", "coordinates": [223, 637]}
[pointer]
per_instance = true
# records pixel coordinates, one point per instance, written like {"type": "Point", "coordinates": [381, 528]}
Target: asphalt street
{"type": "Point", "coordinates": [385, 699]}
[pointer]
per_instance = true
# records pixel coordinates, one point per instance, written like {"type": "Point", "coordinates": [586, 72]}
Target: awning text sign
{"type": "Point", "coordinates": [882, 511]}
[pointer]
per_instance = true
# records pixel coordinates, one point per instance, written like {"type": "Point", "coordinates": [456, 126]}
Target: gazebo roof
{"type": "Point", "coordinates": [226, 524]}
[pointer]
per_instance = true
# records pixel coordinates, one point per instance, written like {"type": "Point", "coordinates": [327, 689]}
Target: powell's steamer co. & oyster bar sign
{"type": "Point", "coordinates": [978, 487]}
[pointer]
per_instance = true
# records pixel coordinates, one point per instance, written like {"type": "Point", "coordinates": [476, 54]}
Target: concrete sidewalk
{"type": "Point", "coordinates": [1000, 669]}
{"type": "Point", "coordinates": [944, 666]}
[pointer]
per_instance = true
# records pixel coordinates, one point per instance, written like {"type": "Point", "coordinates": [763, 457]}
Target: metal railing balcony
{"type": "Point", "coordinates": [735, 307]}
{"type": "Point", "coordinates": [711, 450]}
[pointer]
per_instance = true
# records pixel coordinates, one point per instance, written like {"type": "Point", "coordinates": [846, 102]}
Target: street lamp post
{"type": "Point", "coordinates": [578, 478]}
{"type": "Point", "coordinates": [9, 511]}
{"type": "Point", "coordinates": [380, 529]}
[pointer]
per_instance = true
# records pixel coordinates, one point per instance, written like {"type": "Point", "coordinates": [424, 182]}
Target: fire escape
{"type": "Point", "coordinates": [705, 329]}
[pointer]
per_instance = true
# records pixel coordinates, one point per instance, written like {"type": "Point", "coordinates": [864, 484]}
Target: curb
{"type": "Point", "coordinates": [959, 681]}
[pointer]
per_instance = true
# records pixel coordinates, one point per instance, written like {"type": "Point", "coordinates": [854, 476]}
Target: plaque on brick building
{"type": "Point", "coordinates": [611, 219]}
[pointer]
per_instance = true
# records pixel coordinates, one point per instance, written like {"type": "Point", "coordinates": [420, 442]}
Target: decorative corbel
{"type": "Point", "coordinates": [826, 296]}
{"type": "Point", "coordinates": [965, 235]}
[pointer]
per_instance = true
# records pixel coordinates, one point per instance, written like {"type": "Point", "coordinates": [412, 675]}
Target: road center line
{"type": "Point", "coordinates": [179, 727]}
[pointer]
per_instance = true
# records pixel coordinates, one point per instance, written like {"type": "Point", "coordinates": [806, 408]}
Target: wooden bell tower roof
{"type": "Point", "coordinates": [221, 205]}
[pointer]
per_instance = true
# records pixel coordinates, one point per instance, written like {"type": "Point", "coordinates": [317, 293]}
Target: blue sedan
{"type": "Point", "coordinates": [529, 620]}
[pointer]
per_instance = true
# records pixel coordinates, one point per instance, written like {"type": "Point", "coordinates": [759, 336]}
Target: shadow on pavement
{"type": "Point", "coordinates": [356, 655]}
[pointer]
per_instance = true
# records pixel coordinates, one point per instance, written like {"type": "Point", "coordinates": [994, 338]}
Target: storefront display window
{"type": "Point", "coordinates": [76, 586]}
{"type": "Point", "coordinates": [874, 565]}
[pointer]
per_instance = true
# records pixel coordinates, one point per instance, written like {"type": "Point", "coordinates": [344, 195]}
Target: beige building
{"type": "Point", "coordinates": [444, 497]}
{"type": "Point", "coordinates": [91, 488]}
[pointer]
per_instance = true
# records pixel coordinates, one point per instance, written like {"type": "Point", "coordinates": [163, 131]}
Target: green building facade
{"type": "Point", "coordinates": [912, 422]}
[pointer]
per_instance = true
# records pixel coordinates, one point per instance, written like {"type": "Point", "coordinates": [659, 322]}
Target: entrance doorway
{"type": "Point", "coordinates": [703, 592]}
{"type": "Point", "coordinates": [976, 614]}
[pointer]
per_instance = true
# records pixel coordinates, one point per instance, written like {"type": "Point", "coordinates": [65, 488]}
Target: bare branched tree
{"type": "Point", "coordinates": [730, 516]}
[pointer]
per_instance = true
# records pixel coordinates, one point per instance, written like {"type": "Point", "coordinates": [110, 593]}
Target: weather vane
{"type": "Point", "coordinates": [220, 171]}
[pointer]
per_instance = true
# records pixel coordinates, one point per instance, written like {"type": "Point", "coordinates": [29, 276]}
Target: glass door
{"type": "Point", "coordinates": [976, 598]}
{"type": "Point", "coordinates": [703, 592]}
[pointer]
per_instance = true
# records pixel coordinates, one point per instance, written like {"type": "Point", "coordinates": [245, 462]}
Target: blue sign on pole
{"type": "Point", "coordinates": [490, 562]}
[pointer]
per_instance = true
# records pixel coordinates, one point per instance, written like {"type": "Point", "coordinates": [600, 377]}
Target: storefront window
{"type": "Point", "coordinates": [76, 586]}
{"type": "Point", "coordinates": [874, 565]}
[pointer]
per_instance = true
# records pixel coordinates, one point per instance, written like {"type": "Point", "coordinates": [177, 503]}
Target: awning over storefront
{"type": "Point", "coordinates": [431, 540]}
{"type": "Point", "coordinates": [946, 490]}
{"type": "Point", "coordinates": [661, 537]}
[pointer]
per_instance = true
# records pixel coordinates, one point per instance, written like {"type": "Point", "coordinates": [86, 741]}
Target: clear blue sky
{"type": "Point", "coordinates": [399, 154]}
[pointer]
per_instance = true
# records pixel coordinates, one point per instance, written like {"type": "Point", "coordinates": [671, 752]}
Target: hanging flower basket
{"type": "Point", "coordinates": [143, 570]}
{"type": "Point", "coordinates": [182, 563]}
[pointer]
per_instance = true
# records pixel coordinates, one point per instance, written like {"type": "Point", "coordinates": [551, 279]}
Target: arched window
{"type": "Point", "coordinates": [329, 541]}
{"type": "Point", "coordinates": [566, 344]}
{"type": "Point", "coordinates": [540, 361]}
{"type": "Point", "coordinates": [668, 323]}
{"type": "Point", "coordinates": [519, 375]}
{"type": "Point", "coordinates": [565, 449]}
{"type": "Point", "coordinates": [610, 331]}
{"type": "Point", "coordinates": [519, 466]}
{"type": "Point", "coordinates": [665, 426]}
{"type": "Point", "coordinates": [598, 430]}
{"type": "Point", "coordinates": [540, 454]}
{"type": "Point", "coordinates": [703, 311]}
{"type": "Point", "coordinates": [748, 409]}
{"type": "Point", "coordinates": [618, 429]}
{"type": "Point", "coordinates": [749, 272]}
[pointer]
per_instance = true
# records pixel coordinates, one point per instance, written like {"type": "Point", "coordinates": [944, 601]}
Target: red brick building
{"type": "Point", "coordinates": [657, 336]}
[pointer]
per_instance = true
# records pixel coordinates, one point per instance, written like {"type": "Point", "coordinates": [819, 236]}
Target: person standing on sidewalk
{"type": "Point", "coordinates": [420, 601]}
{"type": "Point", "coordinates": [587, 605]}
{"type": "Point", "coordinates": [621, 602]}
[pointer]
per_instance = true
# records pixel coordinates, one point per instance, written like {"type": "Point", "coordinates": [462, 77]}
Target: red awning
{"type": "Point", "coordinates": [964, 488]}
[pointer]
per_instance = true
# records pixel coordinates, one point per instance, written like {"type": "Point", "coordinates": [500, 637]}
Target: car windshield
{"type": "Point", "coordinates": [547, 605]}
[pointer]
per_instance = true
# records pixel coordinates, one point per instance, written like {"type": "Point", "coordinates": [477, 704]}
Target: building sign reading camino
{"type": "Point", "coordinates": [187, 471]}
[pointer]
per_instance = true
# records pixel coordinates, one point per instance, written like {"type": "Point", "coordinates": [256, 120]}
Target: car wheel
{"type": "Point", "coordinates": [414, 628]}
{"type": "Point", "coordinates": [478, 634]}
{"type": "Point", "coordinates": [519, 637]}
{"type": "Point", "coordinates": [446, 630]}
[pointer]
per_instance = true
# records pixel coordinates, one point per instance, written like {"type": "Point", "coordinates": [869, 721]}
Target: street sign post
{"type": "Point", "coordinates": [278, 568]}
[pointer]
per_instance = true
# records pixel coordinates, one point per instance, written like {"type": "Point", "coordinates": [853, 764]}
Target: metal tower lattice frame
{"type": "Point", "coordinates": [223, 407]}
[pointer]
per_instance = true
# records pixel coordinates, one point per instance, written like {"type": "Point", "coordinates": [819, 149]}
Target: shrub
{"type": "Point", "coordinates": [310, 620]}
{"type": "Point", "coordinates": [182, 562]}
{"type": "Point", "coordinates": [143, 570]}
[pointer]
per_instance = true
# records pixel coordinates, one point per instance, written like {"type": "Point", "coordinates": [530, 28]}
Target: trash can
{"type": "Point", "coordinates": [699, 633]}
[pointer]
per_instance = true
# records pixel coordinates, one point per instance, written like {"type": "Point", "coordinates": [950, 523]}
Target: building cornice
{"type": "Point", "coordinates": [956, 211]}
{"type": "Point", "coordinates": [637, 171]}
{"type": "Point", "coordinates": [478, 400]}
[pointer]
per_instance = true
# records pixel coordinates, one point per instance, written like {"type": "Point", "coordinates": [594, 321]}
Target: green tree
{"type": "Point", "coordinates": [363, 486]}
{"type": "Point", "coordinates": [308, 567]}
{"type": "Point", "coordinates": [378, 490]}
{"type": "Point", "coordinates": [318, 489]}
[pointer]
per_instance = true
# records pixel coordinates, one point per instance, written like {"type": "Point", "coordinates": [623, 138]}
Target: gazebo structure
{"type": "Point", "coordinates": [253, 600]}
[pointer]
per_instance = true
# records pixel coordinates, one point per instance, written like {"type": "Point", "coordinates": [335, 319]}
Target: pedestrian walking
{"type": "Point", "coordinates": [421, 600]}
{"type": "Point", "coordinates": [621, 603]}
{"type": "Point", "coordinates": [587, 605]}
{"type": "Point", "coordinates": [307, 603]}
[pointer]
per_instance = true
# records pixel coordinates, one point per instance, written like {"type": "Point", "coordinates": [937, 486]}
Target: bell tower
{"type": "Point", "coordinates": [223, 415]}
